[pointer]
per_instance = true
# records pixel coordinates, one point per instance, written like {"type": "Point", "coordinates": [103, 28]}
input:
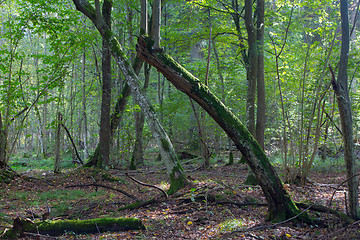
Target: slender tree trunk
{"type": "Point", "coordinates": [261, 104]}
{"type": "Point", "coordinates": [57, 168]}
{"type": "Point", "coordinates": [84, 115]}
{"type": "Point", "coordinates": [251, 67]}
{"type": "Point", "coordinates": [3, 163]}
{"type": "Point", "coordinates": [342, 95]}
{"type": "Point", "coordinates": [281, 206]}
{"type": "Point", "coordinates": [138, 154]}
{"type": "Point", "coordinates": [105, 128]}
{"type": "Point", "coordinates": [174, 170]}
{"type": "Point", "coordinates": [156, 18]}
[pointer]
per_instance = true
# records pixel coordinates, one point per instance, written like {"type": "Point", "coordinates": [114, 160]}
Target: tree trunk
{"type": "Point", "coordinates": [280, 205]}
{"type": "Point", "coordinates": [105, 129]}
{"type": "Point", "coordinates": [85, 130]}
{"type": "Point", "coordinates": [261, 104]}
{"type": "Point", "coordinates": [57, 168]}
{"type": "Point", "coordinates": [342, 95]}
{"type": "Point", "coordinates": [138, 154]}
{"type": "Point", "coordinates": [3, 163]}
{"type": "Point", "coordinates": [251, 65]}
{"type": "Point", "coordinates": [59, 227]}
{"type": "Point", "coordinates": [174, 170]}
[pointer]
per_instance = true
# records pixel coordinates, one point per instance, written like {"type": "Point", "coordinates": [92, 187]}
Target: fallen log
{"type": "Point", "coordinates": [59, 227]}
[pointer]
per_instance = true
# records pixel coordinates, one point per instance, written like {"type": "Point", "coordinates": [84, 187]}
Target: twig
{"type": "Point", "coordinates": [103, 186]}
{"type": "Point", "coordinates": [147, 185]}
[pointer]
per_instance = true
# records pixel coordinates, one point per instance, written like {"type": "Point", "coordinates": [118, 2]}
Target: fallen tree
{"type": "Point", "coordinates": [59, 227]}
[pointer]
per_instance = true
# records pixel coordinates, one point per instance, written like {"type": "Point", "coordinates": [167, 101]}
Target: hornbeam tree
{"type": "Point", "coordinates": [168, 155]}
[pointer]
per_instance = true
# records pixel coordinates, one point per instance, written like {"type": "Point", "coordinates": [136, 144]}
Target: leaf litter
{"type": "Point", "coordinates": [207, 209]}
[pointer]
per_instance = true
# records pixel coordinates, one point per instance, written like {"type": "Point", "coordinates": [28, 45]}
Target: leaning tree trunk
{"type": "Point", "coordinates": [342, 95]}
{"type": "Point", "coordinates": [174, 170]}
{"type": "Point", "coordinates": [280, 204]}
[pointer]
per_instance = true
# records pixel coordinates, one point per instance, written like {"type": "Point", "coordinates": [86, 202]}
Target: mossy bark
{"type": "Point", "coordinates": [280, 204]}
{"type": "Point", "coordinates": [60, 227]}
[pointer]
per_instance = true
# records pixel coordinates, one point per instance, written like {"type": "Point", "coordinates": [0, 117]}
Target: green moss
{"type": "Point", "coordinates": [77, 226]}
{"type": "Point", "coordinates": [6, 175]}
{"type": "Point", "coordinates": [132, 206]}
{"type": "Point", "coordinates": [132, 163]}
{"type": "Point", "coordinates": [165, 144]}
{"type": "Point", "coordinates": [177, 180]}
{"type": "Point", "coordinates": [231, 158]}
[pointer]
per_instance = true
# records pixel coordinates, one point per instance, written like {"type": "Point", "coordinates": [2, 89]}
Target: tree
{"type": "Point", "coordinates": [174, 170]}
{"type": "Point", "coordinates": [105, 128]}
{"type": "Point", "coordinates": [280, 204]}
{"type": "Point", "coordinates": [341, 89]}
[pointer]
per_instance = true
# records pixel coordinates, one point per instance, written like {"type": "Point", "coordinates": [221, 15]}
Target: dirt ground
{"type": "Point", "coordinates": [207, 209]}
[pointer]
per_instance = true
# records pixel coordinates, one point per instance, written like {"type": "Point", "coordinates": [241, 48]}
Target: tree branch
{"type": "Point", "coordinates": [147, 185]}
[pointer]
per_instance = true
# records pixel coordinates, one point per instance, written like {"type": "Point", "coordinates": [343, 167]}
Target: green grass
{"type": "Point", "coordinates": [326, 165]}
{"type": "Point", "coordinates": [29, 161]}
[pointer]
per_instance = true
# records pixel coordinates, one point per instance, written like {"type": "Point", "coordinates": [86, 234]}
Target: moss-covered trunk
{"type": "Point", "coordinates": [280, 204]}
{"type": "Point", "coordinates": [174, 170]}
{"type": "Point", "coordinates": [60, 227]}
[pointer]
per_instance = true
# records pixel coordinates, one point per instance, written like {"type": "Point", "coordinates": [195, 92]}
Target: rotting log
{"type": "Point", "coordinates": [59, 227]}
{"type": "Point", "coordinates": [280, 204]}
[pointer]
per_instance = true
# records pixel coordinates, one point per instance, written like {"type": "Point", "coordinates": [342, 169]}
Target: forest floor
{"type": "Point", "coordinates": [207, 209]}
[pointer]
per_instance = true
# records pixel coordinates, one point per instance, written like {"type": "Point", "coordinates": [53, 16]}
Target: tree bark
{"type": "Point", "coordinates": [344, 104]}
{"type": "Point", "coordinates": [105, 128]}
{"type": "Point", "coordinates": [57, 159]}
{"type": "Point", "coordinates": [261, 104]}
{"type": "Point", "coordinates": [280, 204]}
{"type": "Point", "coordinates": [59, 227]}
{"type": "Point", "coordinates": [3, 163]}
{"type": "Point", "coordinates": [251, 67]}
{"type": "Point", "coordinates": [174, 170]}
{"type": "Point", "coordinates": [138, 154]}
{"type": "Point", "coordinates": [84, 115]}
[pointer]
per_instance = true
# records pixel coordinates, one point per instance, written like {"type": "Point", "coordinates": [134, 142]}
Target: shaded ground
{"type": "Point", "coordinates": [204, 210]}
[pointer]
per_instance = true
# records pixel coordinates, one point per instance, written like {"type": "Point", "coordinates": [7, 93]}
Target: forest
{"type": "Point", "coordinates": [179, 119]}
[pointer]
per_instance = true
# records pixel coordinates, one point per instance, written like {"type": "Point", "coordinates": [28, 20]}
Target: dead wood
{"type": "Point", "coordinates": [323, 209]}
{"type": "Point", "coordinates": [59, 227]}
{"type": "Point", "coordinates": [147, 185]}
{"type": "Point", "coordinates": [72, 142]}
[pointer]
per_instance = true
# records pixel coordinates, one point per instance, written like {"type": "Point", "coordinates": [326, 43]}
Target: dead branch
{"type": "Point", "coordinates": [147, 185]}
{"type": "Point", "coordinates": [72, 142]}
{"type": "Point", "coordinates": [104, 186]}
{"type": "Point", "coordinates": [324, 209]}
{"type": "Point", "coordinates": [242, 204]}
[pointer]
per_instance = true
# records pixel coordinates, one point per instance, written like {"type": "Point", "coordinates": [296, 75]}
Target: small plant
{"type": "Point", "coordinates": [231, 225]}
{"type": "Point", "coordinates": [192, 194]}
